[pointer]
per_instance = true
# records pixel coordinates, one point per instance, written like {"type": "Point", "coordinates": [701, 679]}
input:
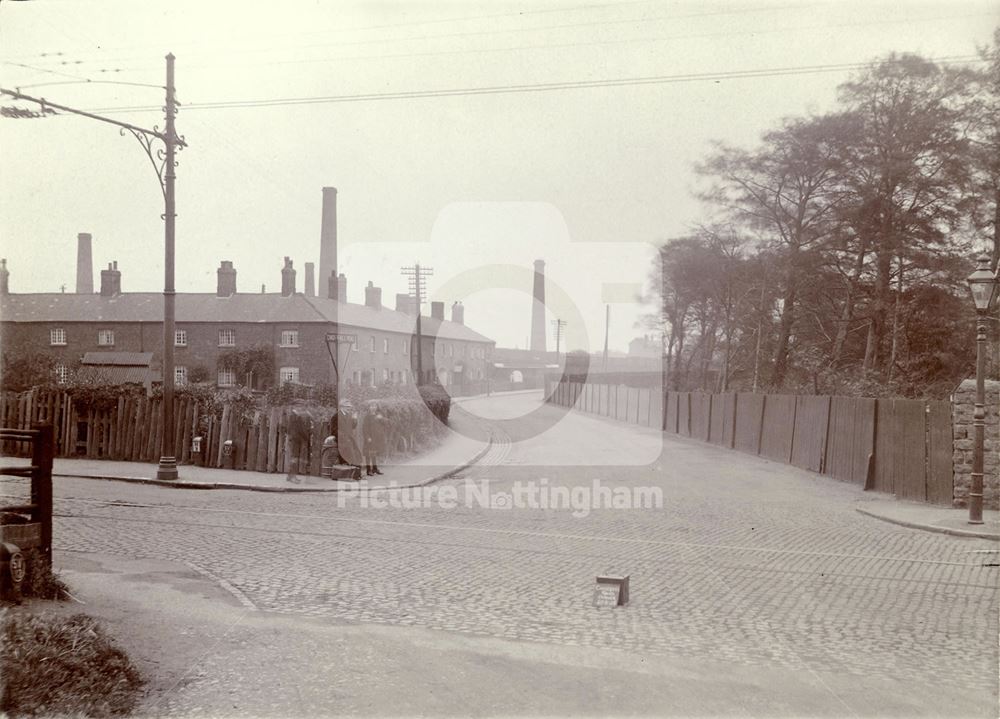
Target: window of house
{"type": "Point", "coordinates": [227, 338]}
{"type": "Point", "coordinates": [288, 374]}
{"type": "Point", "coordinates": [62, 374]}
{"type": "Point", "coordinates": [57, 337]}
{"type": "Point", "coordinates": [227, 378]}
{"type": "Point", "coordinates": [106, 338]}
{"type": "Point", "coordinates": [357, 377]}
{"type": "Point", "coordinates": [180, 338]}
{"type": "Point", "coordinates": [451, 350]}
{"type": "Point", "coordinates": [385, 346]}
{"type": "Point", "coordinates": [290, 338]}
{"type": "Point", "coordinates": [180, 375]}
{"type": "Point", "coordinates": [371, 343]}
{"type": "Point", "coordinates": [385, 376]}
{"type": "Point", "coordinates": [402, 377]}
{"type": "Point", "coordinates": [406, 347]}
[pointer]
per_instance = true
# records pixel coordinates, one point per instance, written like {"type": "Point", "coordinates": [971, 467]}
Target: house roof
{"type": "Point", "coordinates": [121, 359]}
{"type": "Point", "coordinates": [205, 307]}
{"type": "Point", "coordinates": [119, 367]}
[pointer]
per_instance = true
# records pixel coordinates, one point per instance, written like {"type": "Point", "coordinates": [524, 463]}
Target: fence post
{"type": "Point", "coordinates": [41, 487]}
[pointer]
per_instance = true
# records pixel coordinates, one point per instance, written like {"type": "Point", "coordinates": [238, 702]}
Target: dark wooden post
{"type": "Point", "coordinates": [41, 487]}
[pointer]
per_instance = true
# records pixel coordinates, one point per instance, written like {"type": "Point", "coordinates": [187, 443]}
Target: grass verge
{"type": "Point", "coordinates": [53, 665]}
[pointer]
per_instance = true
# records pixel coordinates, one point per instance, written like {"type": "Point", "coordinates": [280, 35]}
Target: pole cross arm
{"type": "Point", "coordinates": [44, 104]}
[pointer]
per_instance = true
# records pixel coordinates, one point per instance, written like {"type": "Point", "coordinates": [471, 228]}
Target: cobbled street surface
{"type": "Point", "coordinates": [747, 563]}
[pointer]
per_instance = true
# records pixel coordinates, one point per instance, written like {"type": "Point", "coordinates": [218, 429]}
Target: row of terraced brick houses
{"type": "Point", "coordinates": [71, 326]}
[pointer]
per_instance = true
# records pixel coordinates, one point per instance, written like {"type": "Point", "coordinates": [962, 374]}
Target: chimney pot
{"type": "Point", "coordinates": [458, 313]}
{"type": "Point", "coordinates": [437, 310]}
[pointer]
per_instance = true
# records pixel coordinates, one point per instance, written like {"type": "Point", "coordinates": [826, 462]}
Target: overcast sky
{"type": "Point", "coordinates": [476, 185]}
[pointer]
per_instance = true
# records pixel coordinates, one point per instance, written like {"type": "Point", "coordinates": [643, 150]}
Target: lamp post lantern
{"type": "Point", "coordinates": [983, 285]}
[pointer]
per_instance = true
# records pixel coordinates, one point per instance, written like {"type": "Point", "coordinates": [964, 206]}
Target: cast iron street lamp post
{"type": "Point", "coordinates": [983, 284]}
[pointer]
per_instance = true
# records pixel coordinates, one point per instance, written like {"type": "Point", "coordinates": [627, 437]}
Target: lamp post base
{"type": "Point", "coordinates": [167, 469]}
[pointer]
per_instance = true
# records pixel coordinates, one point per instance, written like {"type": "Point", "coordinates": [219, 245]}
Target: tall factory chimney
{"type": "Point", "coordinates": [310, 279]}
{"type": "Point", "coordinates": [538, 309]}
{"type": "Point", "coordinates": [84, 264]}
{"type": "Point", "coordinates": [328, 234]}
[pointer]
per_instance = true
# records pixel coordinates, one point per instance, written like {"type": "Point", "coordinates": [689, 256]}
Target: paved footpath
{"type": "Point", "coordinates": [757, 589]}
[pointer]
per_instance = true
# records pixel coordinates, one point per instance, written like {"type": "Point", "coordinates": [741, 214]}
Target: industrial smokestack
{"type": "Point", "coordinates": [538, 309]}
{"type": "Point", "coordinates": [310, 280]}
{"type": "Point", "coordinates": [328, 234]}
{"type": "Point", "coordinates": [84, 264]}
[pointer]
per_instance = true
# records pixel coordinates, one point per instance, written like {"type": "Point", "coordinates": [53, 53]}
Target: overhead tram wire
{"type": "Point", "coordinates": [477, 33]}
{"type": "Point", "coordinates": [540, 87]}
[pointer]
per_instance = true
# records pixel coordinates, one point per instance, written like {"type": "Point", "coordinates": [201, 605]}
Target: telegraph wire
{"type": "Point", "coordinates": [528, 88]}
{"type": "Point", "coordinates": [481, 32]}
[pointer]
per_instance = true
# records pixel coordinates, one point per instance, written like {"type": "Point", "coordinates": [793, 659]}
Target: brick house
{"type": "Point", "coordinates": [293, 325]}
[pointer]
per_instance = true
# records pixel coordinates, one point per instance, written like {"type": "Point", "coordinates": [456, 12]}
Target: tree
{"type": "Point", "coordinates": [27, 369]}
{"type": "Point", "coordinates": [785, 192]}
{"type": "Point", "coordinates": [906, 174]}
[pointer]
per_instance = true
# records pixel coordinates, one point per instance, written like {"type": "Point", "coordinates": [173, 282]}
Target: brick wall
{"type": "Point", "coordinates": [202, 349]}
{"type": "Point", "coordinates": [963, 407]}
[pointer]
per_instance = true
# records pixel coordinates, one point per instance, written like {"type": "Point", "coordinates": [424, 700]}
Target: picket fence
{"type": "Point", "coordinates": [133, 431]}
{"type": "Point", "coordinates": [898, 446]}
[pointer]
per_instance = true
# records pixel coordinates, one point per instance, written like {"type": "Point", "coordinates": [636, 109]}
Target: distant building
{"type": "Point", "coordinates": [645, 346]}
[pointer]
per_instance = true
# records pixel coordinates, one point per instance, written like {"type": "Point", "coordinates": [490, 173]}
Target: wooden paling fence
{"type": "Point", "coordinates": [899, 446]}
{"type": "Point", "coordinates": [133, 431]}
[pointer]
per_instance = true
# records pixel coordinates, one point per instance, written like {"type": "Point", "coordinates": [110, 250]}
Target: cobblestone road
{"type": "Point", "coordinates": [747, 561]}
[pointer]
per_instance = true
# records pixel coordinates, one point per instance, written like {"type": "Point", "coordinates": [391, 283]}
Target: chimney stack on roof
{"type": "Point", "coordinates": [458, 313]}
{"type": "Point", "coordinates": [84, 264]}
{"type": "Point", "coordinates": [437, 310]}
{"type": "Point", "coordinates": [310, 289]}
{"type": "Point", "coordinates": [111, 280]}
{"type": "Point", "coordinates": [287, 279]}
{"type": "Point", "coordinates": [337, 288]}
{"type": "Point", "coordinates": [404, 303]}
{"type": "Point", "coordinates": [226, 286]}
{"type": "Point", "coordinates": [4, 278]}
{"type": "Point", "coordinates": [373, 296]}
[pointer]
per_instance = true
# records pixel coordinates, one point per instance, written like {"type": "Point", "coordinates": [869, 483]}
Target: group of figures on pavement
{"type": "Point", "coordinates": [357, 440]}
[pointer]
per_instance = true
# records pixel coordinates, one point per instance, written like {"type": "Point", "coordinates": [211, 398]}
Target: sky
{"type": "Point", "coordinates": [471, 137]}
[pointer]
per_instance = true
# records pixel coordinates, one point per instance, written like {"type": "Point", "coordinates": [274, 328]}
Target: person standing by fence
{"type": "Point", "coordinates": [374, 433]}
{"type": "Point", "coordinates": [299, 430]}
